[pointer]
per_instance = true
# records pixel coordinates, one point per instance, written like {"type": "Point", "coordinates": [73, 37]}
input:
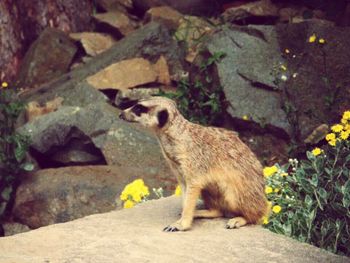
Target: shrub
{"type": "Point", "coordinates": [310, 199]}
{"type": "Point", "coordinates": [13, 146]}
{"type": "Point", "coordinates": [200, 101]}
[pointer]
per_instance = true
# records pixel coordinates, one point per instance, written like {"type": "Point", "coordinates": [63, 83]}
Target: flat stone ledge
{"type": "Point", "coordinates": [135, 235]}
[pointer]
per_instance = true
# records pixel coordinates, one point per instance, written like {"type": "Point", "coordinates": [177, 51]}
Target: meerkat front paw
{"type": "Point", "coordinates": [177, 226]}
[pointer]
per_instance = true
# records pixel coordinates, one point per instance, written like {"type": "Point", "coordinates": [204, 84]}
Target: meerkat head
{"type": "Point", "coordinates": [155, 113]}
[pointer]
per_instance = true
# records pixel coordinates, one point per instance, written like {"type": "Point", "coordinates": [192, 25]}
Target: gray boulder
{"type": "Point", "coordinates": [134, 235]}
{"type": "Point", "coordinates": [150, 41]}
{"type": "Point", "coordinates": [276, 77]}
{"type": "Point", "coordinates": [52, 196]}
{"type": "Point", "coordinates": [48, 58]}
{"type": "Point", "coordinates": [120, 143]}
{"type": "Point", "coordinates": [196, 7]}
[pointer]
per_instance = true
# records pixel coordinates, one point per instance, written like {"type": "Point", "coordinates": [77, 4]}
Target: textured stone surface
{"type": "Point", "coordinates": [118, 20]}
{"type": "Point", "coordinates": [194, 7]}
{"type": "Point", "coordinates": [135, 235]}
{"type": "Point", "coordinates": [125, 145]}
{"type": "Point", "coordinates": [40, 64]}
{"type": "Point", "coordinates": [315, 89]}
{"type": "Point", "coordinates": [165, 15]}
{"type": "Point", "coordinates": [124, 74]}
{"type": "Point", "coordinates": [246, 74]}
{"type": "Point", "coordinates": [150, 41]}
{"type": "Point", "coordinates": [93, 43]}
{"type": "Point", "coordinates": [62, 194]}
{"type": "Point", "coordinates": [13, 228]}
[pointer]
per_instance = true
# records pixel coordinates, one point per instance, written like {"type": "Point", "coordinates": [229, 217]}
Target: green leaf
{"type": "Point", "coordinates": [314, 180]}
{"type": "Point", "coordinates": [28, 167]}
{"type": "Point", "coordinates": [323, 194]}
{"type": "Point", "coordinates": [310, 156]}
{"type": "Point", "coordinates": [308, 201]}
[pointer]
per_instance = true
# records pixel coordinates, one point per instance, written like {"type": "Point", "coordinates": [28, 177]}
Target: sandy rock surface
{"type": "Point", "coordinates": [135, 235]}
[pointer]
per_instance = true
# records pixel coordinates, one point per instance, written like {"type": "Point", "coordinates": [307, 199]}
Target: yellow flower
{"type": "Point", "coordinates": [276, 209]}
{"type": "Point", "coordinates": [136, 197]}
{"type": "Point", "coordinates": [332, 142]}
{"type": "Point", "coordinates": [268, 190]}
{"type": "Point", "coordinates": [284, 174]}
{"type": "Point", "coordinates": [123, 196]}
{"type": "Point", "coordinates": [346, 115]}
{"type": "Point", "coordinates": [268, 171]}
{"type": "Point", "coordinates": [347, 127]}
{"type": "Point", "coordinates": [136, 191]}
{"type": "Point", "coordinates": [178, 191]}
{"type": "Point", "coordinates": [337, 128]}
{"type": "Point", "coordinates": [245, 117]}
{"type": "Point", "coordinates": [276, 190]}
{"type": "Point", "coordinates": [265, 220]}
{"type": "Point", "coordinates": [316, 151]}
{"type": "Point", "coordinates": [321, 41]}
{"type": "Point", "coordinates": [283, 67]}
{"type": "Point", "coordinates": [312, 38]}
{"type": "Point", "coordinates": [344, 135]}
{"type": "Point", "coordinates": [128, 204]}
{"type": "Point", "coordinates": [4, 84]}
{"type": "Point", "coordinates": [330, 137]}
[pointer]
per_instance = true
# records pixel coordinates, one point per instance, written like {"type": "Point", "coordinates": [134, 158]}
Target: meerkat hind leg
{"type": "Point", "coordinates": [236, 222]}
{"type": "Point", "coordinates": [210, 213]}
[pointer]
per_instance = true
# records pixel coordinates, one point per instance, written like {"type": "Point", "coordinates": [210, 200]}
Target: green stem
{"type": "Point", "coordinates": [318, 200]}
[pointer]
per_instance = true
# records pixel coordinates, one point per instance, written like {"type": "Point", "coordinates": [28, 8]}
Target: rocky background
{"type": "Point", "coordinates": [284, 74]}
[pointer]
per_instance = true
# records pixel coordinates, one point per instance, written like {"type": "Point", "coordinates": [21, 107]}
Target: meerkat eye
{"type": "Point", "coordinates": [138, 109]}
{"type": "Point", "coordinates": [163, 117]}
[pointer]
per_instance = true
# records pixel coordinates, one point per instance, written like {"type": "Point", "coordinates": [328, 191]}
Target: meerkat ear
{"type": "Point", "coordinates": [162, 118]}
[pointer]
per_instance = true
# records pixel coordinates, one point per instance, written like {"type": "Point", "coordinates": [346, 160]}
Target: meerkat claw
{"type": "Point", "coordinates": [170, 229]}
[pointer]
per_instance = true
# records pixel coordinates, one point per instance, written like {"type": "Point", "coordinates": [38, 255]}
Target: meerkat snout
{"type": "Point", "coordinates": [209, 162]}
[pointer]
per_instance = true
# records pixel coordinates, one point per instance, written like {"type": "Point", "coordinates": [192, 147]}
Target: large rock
{"type": "Point", "coordinates": [165, 15]}
{"type": "Point", "coordinates": [118, 20]}
{"type": "Point", "coordinates": [41, 63]}
{"type": "Point", "coordinates": [196, 7]}
{"type": "Point", "coordinates": [122, 144]}
{"type": "Point", "coordinates": [124, 75]}
{"type": "Point", "coordinates": [93, 43]}
{"type": "Point", "coordinates": [150, 41]}
{"type": "Point", "coordinates": [130, 235]}
{"type": "Point", "coordinates": [245, 74]}
{"type": "Point", "coordinates": [276, 77]}
{"type": "Point", "coordinates": [131, 73]}
{"type": "Point", "coordinates": [59, 195]}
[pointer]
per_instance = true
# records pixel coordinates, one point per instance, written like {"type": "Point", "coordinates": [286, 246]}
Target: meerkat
{"type": "Point", "coordinates": [209, 162]}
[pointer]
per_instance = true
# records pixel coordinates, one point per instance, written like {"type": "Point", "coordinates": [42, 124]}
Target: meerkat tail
{"type": "Point", "coordinates": [236, 222]}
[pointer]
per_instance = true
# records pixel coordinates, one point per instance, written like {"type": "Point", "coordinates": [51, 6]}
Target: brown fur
{"type": "Point", "coordinates": [209, 162]}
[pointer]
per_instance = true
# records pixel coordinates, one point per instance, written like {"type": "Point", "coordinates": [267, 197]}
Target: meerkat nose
{"type": "Point", "coordinates": [122, 116]}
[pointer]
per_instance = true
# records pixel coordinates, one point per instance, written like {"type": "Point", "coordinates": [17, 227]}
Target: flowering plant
{"type": "Point", "coordinates": [310, 199]}
{"type": "Point", "coordinates": [13, 146]}
{"type": "Point", "coordinates": [134, 193]}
